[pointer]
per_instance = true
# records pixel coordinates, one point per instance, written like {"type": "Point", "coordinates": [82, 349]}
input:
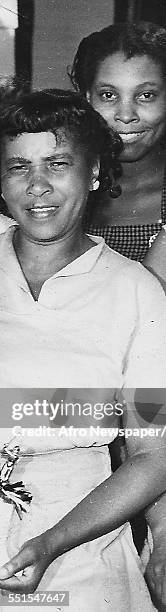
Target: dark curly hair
{"type": "Point", "coordinates": [64, 113]}
{"type": "Point", "coordinates": [142, 38]}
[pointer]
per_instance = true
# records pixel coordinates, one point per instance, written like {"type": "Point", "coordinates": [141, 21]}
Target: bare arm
{"type": "Point", "coordinates": [156, 568]}
{"type": "Point", "coordinates": [155, 260]}
{"type": "Point", "coordinates": [134, 486]}
{"type": "Point", "coordinates": [156, 517]}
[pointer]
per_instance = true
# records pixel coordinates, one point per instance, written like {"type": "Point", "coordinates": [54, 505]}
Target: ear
{"type": "Point", "coordinates": [94, 174]}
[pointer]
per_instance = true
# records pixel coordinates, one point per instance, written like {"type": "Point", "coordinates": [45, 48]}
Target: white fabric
{"type": "Point", "coordinates": [5, 222]}
{"type": "Point", "coordinates": [99, 322]}
{"type": "Point", "coordinates": [103, 575]}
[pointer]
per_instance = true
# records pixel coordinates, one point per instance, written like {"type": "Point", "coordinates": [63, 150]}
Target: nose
{"type": "Point", "coordinates": [126, 112]}
{"type": "Point", "coordinates": [38, 184]}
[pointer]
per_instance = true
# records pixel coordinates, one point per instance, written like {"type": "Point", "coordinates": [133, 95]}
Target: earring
{"type": "Point", "coordinates": [2, 196]}
{"type": "Point", "coordinates": [95, 185]}
{"type": "Point", "coordinates": [115, 191]}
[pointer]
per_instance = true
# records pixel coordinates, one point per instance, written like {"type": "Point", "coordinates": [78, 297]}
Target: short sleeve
{"type": "Point", "coordinates": [145, 363]}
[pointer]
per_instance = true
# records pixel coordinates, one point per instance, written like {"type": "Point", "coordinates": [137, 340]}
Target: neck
{"type": "Point", "coordinates": [46, 258]}
{"type": "Point", "coordinates": [146, 165]}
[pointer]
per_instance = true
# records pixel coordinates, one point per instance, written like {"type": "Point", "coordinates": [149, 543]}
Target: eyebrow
{"type": "Point", "coordinates": [18, 158]}
{"type": "Point", "coordinates": [144, 84]}
{"type": "Point", "coordinates": [59, 156]}
{"type": "Point", "coordinates": [53, 157]}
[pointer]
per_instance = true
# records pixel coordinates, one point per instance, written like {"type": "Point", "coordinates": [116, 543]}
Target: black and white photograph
{"type": "Point", "coordinates": [83, 305]}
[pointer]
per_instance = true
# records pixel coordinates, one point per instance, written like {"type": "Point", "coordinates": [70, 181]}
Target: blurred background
{"type": "Point", "coordinates": [38, 38]}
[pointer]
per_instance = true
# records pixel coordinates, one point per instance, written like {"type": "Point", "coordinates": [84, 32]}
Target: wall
{"type": "Point", "coordinates": [8, 24]}
{"type": "Point", "coordinates": [58, 28]}
{"type": "Point", "coordinates": [7, 63]}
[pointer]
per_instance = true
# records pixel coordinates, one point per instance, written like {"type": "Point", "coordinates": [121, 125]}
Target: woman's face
{"type": "Point", "coordinates": [45, 184]}
{"type": "Point", "coordinates": [131, 96]}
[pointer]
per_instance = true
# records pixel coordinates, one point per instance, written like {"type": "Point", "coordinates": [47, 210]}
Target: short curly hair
{"type": "Point", "coordinates": [142, 38]}
{"type": "Point", "coordinates": [64, 113]}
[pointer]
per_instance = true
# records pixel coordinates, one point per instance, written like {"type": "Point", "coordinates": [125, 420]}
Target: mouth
{"type": "Point", "coordinates": [131, 136]}
{"type": "Point", "coordinates": [42, 212]}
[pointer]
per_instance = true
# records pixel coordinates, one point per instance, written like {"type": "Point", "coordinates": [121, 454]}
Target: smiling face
{"type": "Point", "coordinates": [45, 184]}
{"type": "Point", "coordinates": [131, 96]}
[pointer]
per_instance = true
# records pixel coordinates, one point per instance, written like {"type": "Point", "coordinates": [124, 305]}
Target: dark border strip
{"type": "Point", "coordinates": [145, 10]}
{"type": "Point", "coordinates": [24, 41]}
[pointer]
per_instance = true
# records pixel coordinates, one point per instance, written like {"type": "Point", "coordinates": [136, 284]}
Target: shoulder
{"type": "Point", "coordinates": [134, 280]}
{"type": "Point", "coordinates": [123, 266]}
{"type": "Point", "coordinates": [6, 243]}
{"type": "Point", "coordinates": [5, 222]}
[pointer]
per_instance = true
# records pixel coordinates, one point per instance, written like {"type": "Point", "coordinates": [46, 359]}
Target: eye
{"type": "Point", "coordinates": [18, 169]}
{"type": "Point", "coordinates": [58, 165]}
{"type": "Point", "coordinates": [108, 95]}
{"type": "Point", "coordinates": [147, 96]}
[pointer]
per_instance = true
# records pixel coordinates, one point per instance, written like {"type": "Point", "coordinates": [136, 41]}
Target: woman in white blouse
{"type": "Point", "coordinates": [78, 317]}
